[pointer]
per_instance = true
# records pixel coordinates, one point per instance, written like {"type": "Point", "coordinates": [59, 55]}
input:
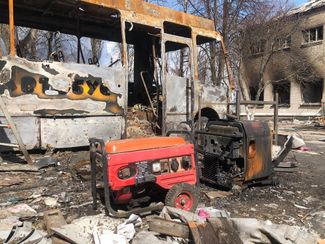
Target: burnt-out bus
{"type": "Point", "coordinates": [61, 104]}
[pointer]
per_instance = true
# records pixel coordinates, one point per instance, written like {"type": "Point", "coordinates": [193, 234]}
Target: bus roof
{"type": "Point", "coordinates": [97, 17]}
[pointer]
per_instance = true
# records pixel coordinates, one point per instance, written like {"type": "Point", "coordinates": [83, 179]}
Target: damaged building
{"type": "Point", "coordinates": [287, 56]}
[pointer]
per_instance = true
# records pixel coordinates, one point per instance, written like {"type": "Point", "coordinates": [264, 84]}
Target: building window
{"type": "Point", "coordinates": [313, 35]}
{"type": "Point", "coordinates": [283, 89]}
{"type": "Point", "coordinates": [312, 92]}
{"type": "Point", "coordinates": [282, 43]}
{"type": "Point", "coordinates": [258, 47]}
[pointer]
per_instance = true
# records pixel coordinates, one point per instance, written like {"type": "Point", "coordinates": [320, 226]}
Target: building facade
{"type": "Point", "coordinates": [288, 57]}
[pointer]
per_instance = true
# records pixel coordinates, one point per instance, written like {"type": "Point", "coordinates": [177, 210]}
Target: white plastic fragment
{"type": "Point", "coordinates": [127, 229]}
{"type": "Point", "coordinates": [297, 142]}
{"type": "Point", "coordinates": [105, 236]}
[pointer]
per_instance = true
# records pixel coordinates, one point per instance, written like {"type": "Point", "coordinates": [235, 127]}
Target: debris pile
{"type": "Point", "coordinates": [138, 122]}
{"type": "Point", "coordinates": [172, 226]}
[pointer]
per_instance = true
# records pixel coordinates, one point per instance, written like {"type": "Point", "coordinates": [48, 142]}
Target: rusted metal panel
{"type": "Point", "coordinates": [99, 15]}
{"type": "Point", "coordinates": [259, 146]}
{"type": "Point", "coordinates": [206, 33]}
{"type": "Point", "coordinates": [177, 39]}
{"type": "Point", "coordinates": [142, 10]}
{"type": "Point", "coordinates": [76, 132]}
{"type": "Point", "coordinates": [60, 89]}
{"type": "Point", "coordinates": [28, 128]}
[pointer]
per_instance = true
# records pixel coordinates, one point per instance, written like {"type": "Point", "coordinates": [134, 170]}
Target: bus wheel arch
{"type": "Point", "coordinates": [208, 113]}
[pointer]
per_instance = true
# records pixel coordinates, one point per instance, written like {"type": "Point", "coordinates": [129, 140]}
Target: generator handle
{"type": "Point", "coordinates": [170, 132]}
{"type": "Point", "coordinates": [93, 146]}
{"type": "Point", "coordinates": [235, 136]}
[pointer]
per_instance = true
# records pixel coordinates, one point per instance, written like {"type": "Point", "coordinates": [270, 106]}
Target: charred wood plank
{"type": "Point", "coordinates": [169, 227]}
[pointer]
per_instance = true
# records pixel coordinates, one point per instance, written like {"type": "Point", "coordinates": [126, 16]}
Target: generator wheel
{"type": "Point", "coordinates": [183, 196]}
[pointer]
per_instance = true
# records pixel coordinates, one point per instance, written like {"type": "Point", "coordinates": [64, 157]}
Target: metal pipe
{"type": "Point", "coordinates": [276, 118]}
{"type": "Point", "coordinates": [12, 28]}
{"type": "Point", "coordinates": [323, 112]}
{"type": "Point", "coordinates": [125, 65]}
{"type": "Point", "coordinates": [9, 145]}
{"type": "Point", "coordinates": [156, 68]}
{"type": "Point", "coordinates": [254, 103]}
{"type": "Point", "coordinates": [93, 149]}
{"type": "Point", "coordinates": [148, 94]}
{"type": "Point", "coordinates": [238, 104]}
{"type": "Point", "coordinates": [163, 81]}
{"type": "Point", "coordinates": [78, 51]}
{"type": "Point", "coordinates": [236, 136]}
{"type": "Point", "coordinates": [200, 107]}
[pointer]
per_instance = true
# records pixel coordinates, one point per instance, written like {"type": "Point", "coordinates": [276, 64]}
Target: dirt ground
{"type": "Point", "coordinates": [300, 194]}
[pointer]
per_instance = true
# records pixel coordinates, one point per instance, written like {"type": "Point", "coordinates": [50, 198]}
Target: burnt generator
{"type": "Point", "coordinates": [235, 152]}
{"type": "Point", "coordinates": [134, 172]}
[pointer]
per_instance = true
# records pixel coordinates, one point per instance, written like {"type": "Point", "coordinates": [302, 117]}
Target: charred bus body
{"type": "Point", "coordinates": [83, 101]}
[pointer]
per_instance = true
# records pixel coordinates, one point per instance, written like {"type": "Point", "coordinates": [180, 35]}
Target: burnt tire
{"type": "Point", "coordinates": [183, 196]}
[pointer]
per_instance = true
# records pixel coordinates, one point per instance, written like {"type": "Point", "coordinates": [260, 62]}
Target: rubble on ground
{"type": "Point", "coordinates": [170, 226]}
{"type": "Point", "coordinates": [50, 203]}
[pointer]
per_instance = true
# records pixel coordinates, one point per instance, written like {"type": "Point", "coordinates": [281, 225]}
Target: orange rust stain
{"type": "Point", "coordinates": [114, 108]}
{"type": "Point", "coordinates": [254, 164]}
{"type": "Point", "coordinates": [97, 95]}
{"type": "Point", "coordinates": [152, 10]}
{"type": "Point", "coordinates": [252, 151]}
{"type": "Point", "coordinates": [37, 89]}
{"type": "Point", "coordinates": [18, 89]}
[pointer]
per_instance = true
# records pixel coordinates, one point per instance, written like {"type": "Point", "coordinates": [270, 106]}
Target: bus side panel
{"type": "Point", "coordinates": [61, 105]}
{"type": "Point", "coordinates": [66, 133]}
{"type": "Point", "coordinates": [62, 132]}
{"type": "Point", "coordinates": [61, 89]}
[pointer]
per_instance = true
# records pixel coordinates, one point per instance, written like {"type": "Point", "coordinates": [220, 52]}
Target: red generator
{"type": "Point", "coordinates": [136, 171]}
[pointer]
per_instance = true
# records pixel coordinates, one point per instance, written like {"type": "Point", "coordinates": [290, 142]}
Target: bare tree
{"type": "Point", "coordinates": [96, 46]}
{"type": "Point", "coordinates": [4, 35]}
{"type": "Point", "coordinates": [26, 42]}
{"type": "Point", "coordinates": [228, 16]}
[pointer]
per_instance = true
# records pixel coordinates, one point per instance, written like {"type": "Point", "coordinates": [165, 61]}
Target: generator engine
{"type": "Point", "coordinates": [234, 151]}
